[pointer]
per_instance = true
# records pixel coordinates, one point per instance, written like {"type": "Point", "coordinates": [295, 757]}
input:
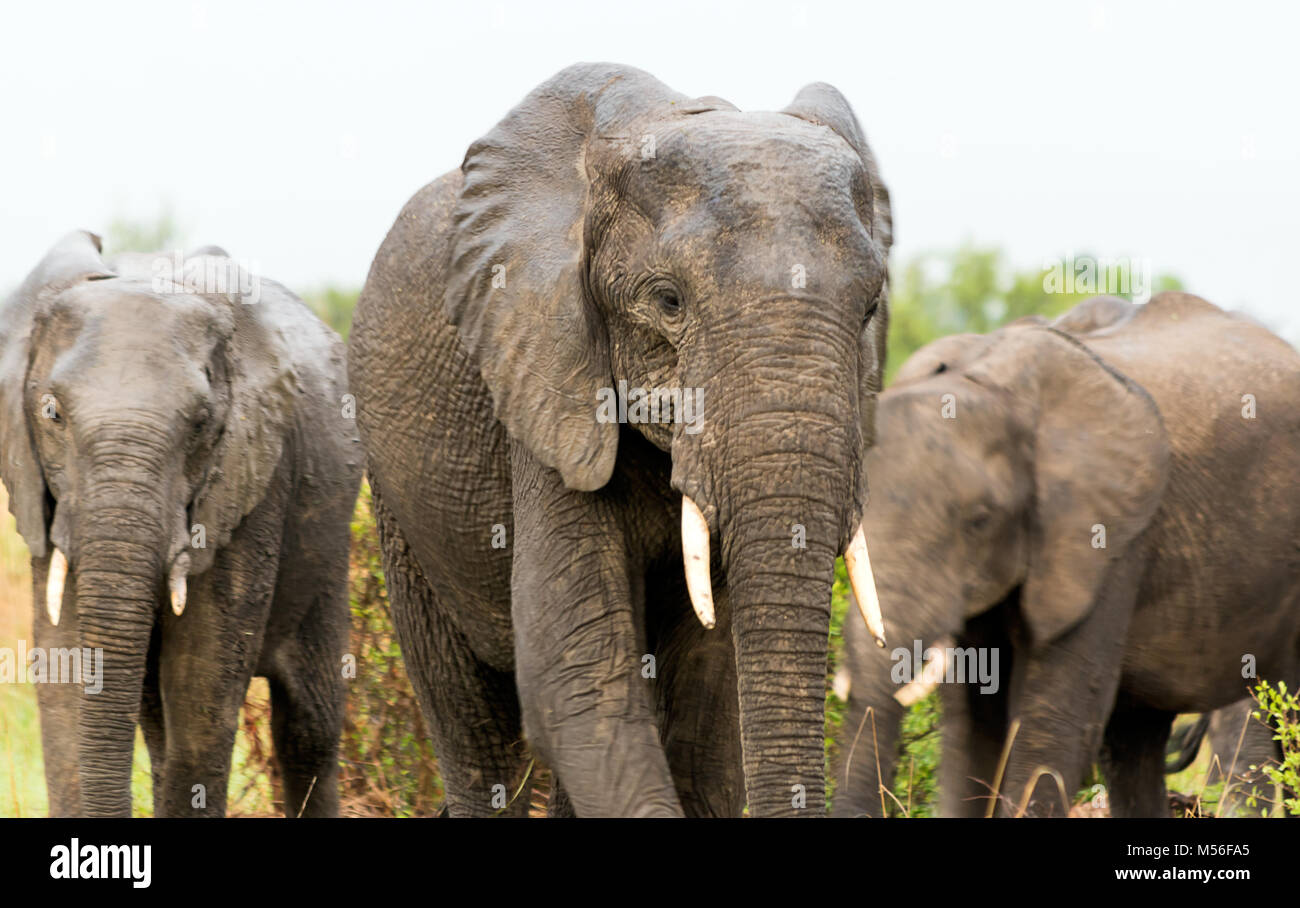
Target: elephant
{"type": "Point", "coordinates": [638, 601]}
{"type": "Point", "coordinates": [1101, 502]}
{"type": "Point", "coordinates": [1239, 746]}
{"type": "Point", "coordinates": [179, 464]}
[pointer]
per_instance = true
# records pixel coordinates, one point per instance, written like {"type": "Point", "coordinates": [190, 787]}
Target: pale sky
{"type": "Point", "coordinates": [292, 134]}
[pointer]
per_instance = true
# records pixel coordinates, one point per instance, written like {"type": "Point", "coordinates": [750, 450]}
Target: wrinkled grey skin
{"type": "Point", "coordinates": [477, 408]}
{"type": "Point", "coordinates": [982, 529]}
{"type": "Point", "coordinates": [175, 409]}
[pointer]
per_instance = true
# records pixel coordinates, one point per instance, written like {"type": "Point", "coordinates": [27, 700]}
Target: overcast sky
{"type": "Point", "coordinates": [291, 135]}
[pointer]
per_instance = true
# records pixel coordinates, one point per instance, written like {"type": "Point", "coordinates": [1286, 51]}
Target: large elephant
{"type": "Point", "coordinates": [1105, 503]}
{"type": "Point", "coordinates": [547, 559]}
{"type": "Point", "coordinates": [179, 463]}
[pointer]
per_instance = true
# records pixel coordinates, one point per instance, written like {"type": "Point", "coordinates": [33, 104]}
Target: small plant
{"type": "Point", "coordinates": [1280, 710]}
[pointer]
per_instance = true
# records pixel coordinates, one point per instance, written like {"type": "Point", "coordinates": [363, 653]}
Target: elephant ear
{"type": "Point", "coordinates": [823, 104]}
{"type": "Point", "coordinates": [258, 362]}
{"type": "Point", "coordinates": [1101, 462]}
{"type": "Point", "coordinates": [74, 258]}
{"type": "Point", "coordinates": [516, 285]}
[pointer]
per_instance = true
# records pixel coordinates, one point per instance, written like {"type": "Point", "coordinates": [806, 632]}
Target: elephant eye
{"type": "Point", "coordinates": [979, 519]}
{"type": "Point", "coordinates": [669, 301]}
{"type": "Point", "coordinates": [871, 310]}
{"type": "Point", "coordinates": [52, 410]}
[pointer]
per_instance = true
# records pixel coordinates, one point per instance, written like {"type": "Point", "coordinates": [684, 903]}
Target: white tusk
{"type": "Point", "coordinates": [178, 595]}
{"type": "Point", "coordinates": [695, 557]}
{"type": "Point", "coordinates": [176, 583]}
{"type": "Point", "coordinates": [858, 564]}
{"type": "Point", "coordinates": [929, 677]}
{"type": "Point", "coordinates": [912, 691]}
{"type": "Point", "coordinates": [842, 685]}
{"type": "Point", "coordinates": [54, 580]}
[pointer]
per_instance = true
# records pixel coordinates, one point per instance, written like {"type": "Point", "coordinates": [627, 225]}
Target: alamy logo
{"type": "Point", "coordinates": [946, 665]}
{"type": "Point", "coordinates": [58, 665]}
{"type": "Point", "coordinates": [103, 862]}
{"type": "Point", "coordinates": [684, 406]}
{"type": "Point", "coordinates": [214, 274]}
{"type": "Point", "coordinates": [1091, 275]}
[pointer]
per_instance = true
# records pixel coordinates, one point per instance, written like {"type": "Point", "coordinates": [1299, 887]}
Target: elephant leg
{"type": "Point", "coordinates": [59, 704]}
{"type": "Point", "coordinates": [204, 678]}
{"type": "Point", "coordinates": [207, 658]}
{"type": "Point", "coordinates": [973, 729]}
{"type": "Point", "coordinates": [587, 710]}
{"type": "Point", "coordinates": [869, 735]}
{"type": "Point", "coordinates": [698, 703]}
{"type": "Point", "coordinates": [974, 724]}
{"type": "Point", "coordinates": [151, 723]}
{"type": "Point", "coordinates": [868, 753]}
{"type": "Point", "coordinates": [306, 721]}
{"type": "Point", "coordinates": [1238, 741]}
{"type": "Point", "coordinates": [1062, 700]}
{"type": "Point", "coordinates": [472, 710]}
{"type": "Point", "coordinates": [307, 702]}
{"type": "Point", "coordinates": [303, 655]}
{"type": "Point", "coordinates": [1062, 693]}
{"type": "Point", "coordinates": [1133, 759]}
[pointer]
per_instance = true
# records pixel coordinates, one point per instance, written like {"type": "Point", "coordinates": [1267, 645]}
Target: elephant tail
{"type": "Point", "coordinates": [1186, 745]}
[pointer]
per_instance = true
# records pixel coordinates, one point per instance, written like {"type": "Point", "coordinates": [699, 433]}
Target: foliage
{"type": "Point", "coordinates": [834, 705]}
{"type": "Point", "coordinates": [971, 289]}
{"type": "Point", "coordinates": [1280, 709]}
{"type": "Point", "coordinates": [388, 765]}
{"type": "Point", "coordinates": [159, 234]}
{"type": "Point", "coordinates": [916, 783]}
{"type": "Point", "coordinates": [333, 305]}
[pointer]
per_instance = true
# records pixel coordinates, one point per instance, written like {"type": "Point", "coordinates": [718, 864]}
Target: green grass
{"type": "Point", "coordinates": [22, 791]}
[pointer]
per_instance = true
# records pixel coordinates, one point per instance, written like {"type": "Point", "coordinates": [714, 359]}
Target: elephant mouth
{"type": "Point", "coordinates": [57, 578]}
{"type": "Point", "coordinates": [699, 583]}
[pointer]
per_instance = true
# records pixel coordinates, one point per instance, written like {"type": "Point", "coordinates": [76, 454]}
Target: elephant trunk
{"type": "Point", "coordinates": [775, 474]}
{"type": "Point", "coordinates": [780, 622]}
{"type": "Point", "coordinates": [119, 545]}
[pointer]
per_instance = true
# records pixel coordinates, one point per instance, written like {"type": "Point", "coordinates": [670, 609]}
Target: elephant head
{"type": "Point", "coordinates": [1020, 468]}
{"type": "Point", "coordinates": [995, 490]}
{"type": "Point", "coordinates": [611, 230]}
{"type": "Point", "coordinates": [141, 419]}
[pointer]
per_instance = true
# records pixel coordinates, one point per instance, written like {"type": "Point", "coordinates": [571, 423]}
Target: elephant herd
{"type": "Point", "coordinates": [616, 386]}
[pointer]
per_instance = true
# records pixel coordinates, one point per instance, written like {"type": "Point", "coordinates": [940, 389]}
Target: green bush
{"type": "Point", "coordinates": [1280, 709]}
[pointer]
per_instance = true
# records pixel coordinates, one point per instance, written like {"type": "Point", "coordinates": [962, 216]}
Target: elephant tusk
{"type": "Point", "coordinates": [929, 677]}
{"type": "Point", "coordinates": [177, 584]}
{"type": "Point", "coordinates": [178, 595]}
{"type": "Point", "coordinates": [858, 564]}
{"type": "Point", "coordinates": [695, 558]}
{"type": "Point", "coordinates": [54, 581]}
{"type": "Point", "coordinates": [842, 685]}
